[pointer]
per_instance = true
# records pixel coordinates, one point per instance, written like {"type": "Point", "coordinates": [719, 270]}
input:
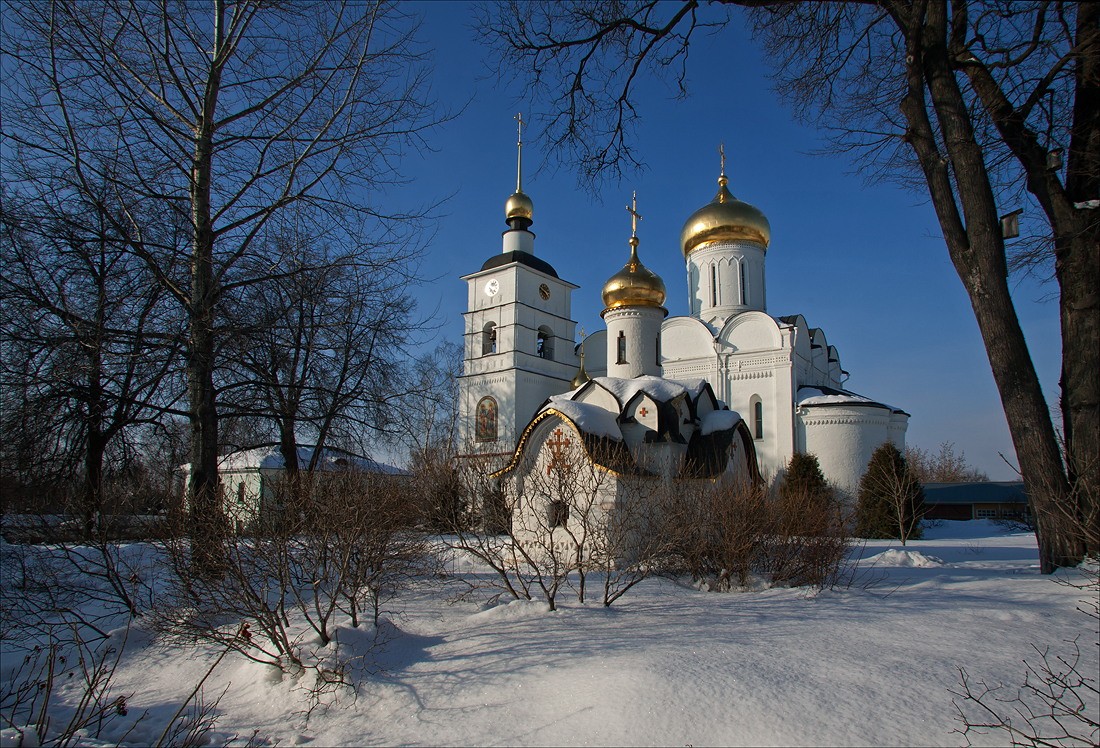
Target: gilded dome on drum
{"type": "Point", "coordinates": [724, 219]}
{"type": "Point", "coordinates": [519, 205]}
{"type": "Point", "coordinates": [634, 285]}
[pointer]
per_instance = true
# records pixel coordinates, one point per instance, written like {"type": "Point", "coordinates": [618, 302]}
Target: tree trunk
{"type": "Point", "coordinates": [207, 519]}
{"type": "Point", "coordinates": [92, 501]}
{"type": "Point", "coordinates": [1076, 250]}
{"type": "Point", "coordinates": [1077, 267]}
{"type": "Point", "coordinates": [976, 247]}
{"type": "Point", "coordinates": [288, 446]}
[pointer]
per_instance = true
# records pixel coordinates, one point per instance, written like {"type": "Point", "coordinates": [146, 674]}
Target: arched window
{"type": "Point", "coordinates": [744, 300]}
{"type": "Point", "coordinates": [489, 338]}
{"type": "Point", "coordinates": [485, 428]}
{"type": "Point", "coordinates": [544, 344]}
{"type": "Point", "coordinates": [696, 290]}
{"type": "Point", "coordinates": [714, 284]}
{"type": "Point", "coordinates": [621, 348]}
{"type": "Point", "coordinates": [658, 347]}
{"type": "Point", "coordinates": [757, 417]}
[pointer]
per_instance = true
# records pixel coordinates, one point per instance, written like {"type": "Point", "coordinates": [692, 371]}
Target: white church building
{"type": "Point", "coordinates": [727, 389]}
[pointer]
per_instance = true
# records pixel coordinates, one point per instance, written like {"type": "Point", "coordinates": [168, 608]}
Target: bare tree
{"type": "Point", "coordinates": [891, 501]}
{"type": "Point", "coordinates": [960, 97]}
{"type": "Point", "coordinates": [943, 466]}
{"type": "Point", "coordinates": [426, 427]}
{"type": "Point", "coordinates": [227, 114]}
{"type": "Point", "coordinates": [315, 355]}
{"type": "Point", "coordinates": [568, 518]}
{"type": "Point", "coordinates": [88, 348]}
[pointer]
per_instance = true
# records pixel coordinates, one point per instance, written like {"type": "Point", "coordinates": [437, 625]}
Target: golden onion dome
{"type": "Point", "coordinates": [634, 285]}
{"type": "Point", "coordinates": [519, 205]}
{"type": "Point", "coordinates": [581, 378]}
{"type": "Point", "coordinates": [724, 219]}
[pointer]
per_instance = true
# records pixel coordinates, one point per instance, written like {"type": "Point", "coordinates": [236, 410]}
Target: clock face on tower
{"type": "Point", "coordinates": [544, 292]}
{"type": "Point", "coordinates": [492, 287]}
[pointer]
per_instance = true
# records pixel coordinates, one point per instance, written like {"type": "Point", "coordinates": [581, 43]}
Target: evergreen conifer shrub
{"type": "Point", "coordinates": [891, 501]}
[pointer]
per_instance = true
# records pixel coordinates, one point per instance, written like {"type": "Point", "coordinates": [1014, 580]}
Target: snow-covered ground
{"type": "Point", "coordinates": [871, 663]}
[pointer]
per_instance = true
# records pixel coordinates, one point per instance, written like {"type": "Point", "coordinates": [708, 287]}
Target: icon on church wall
{"type": "Point", "coordinates": [485, 429]}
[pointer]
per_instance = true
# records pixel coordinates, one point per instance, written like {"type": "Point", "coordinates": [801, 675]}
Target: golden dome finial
{"type": "Point", "coordinates": [519, 210]}
{"type": "Point", "coordinates": [635, 216]}
{"type": "Point", "coordinates": [722, 181]}
{"type": "Point", "coordinates": [635, 284]}
{"type": "Point", "coordinates": [519, 151]}
{"type": "Point", "coordinates": [581, 377]}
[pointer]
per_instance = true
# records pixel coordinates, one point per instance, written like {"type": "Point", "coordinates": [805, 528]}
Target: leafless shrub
{"type": "Point", "coordinates": [334, 545]}
{"type": "Point", "coordinates": [808, 543]}
{"type": "Point", "coordinates": [723, 533]}
{"type": "Point", "coordinates": [632, 544]}
{"type": "Point", "coordinates": [91, 585]}
{"type": "Point", "coordinates": [1058, 703]}
{"type": "Point", "coordinates": [30, 709]}
{"type": "Point", "coordinates": [28, 703]}
{"type": "Point", "coordinates": [716, 530]}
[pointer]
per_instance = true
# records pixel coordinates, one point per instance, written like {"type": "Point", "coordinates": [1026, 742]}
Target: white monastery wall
{"type": "Point", "coordinates": [843, 437]}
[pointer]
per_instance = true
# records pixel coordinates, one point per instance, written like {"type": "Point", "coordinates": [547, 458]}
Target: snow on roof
{"type": "Point", "coordinates": [589, 418]}
{"type": "Point", "coordinates": [661, 390]}
{"type": "Point", "coordinates": [831, 396]}
{"type": "Point", "coordinates": [693, 386]}
{"type": "Point", "coordinates": [719, 420]}
{"type": "Point", "coordinates": [270, 458]}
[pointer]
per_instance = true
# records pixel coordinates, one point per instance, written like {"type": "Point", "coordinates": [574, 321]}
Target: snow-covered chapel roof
{"type": "Point", "coordinates": [270, 458]}
{"type": "Point", "coordinates": [820, 395]}
{"type": "Point", "coordinates": [600, 408]}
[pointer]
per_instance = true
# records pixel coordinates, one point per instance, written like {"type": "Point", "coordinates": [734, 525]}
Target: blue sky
{"type": "Point", "coordinates": [865, 262]}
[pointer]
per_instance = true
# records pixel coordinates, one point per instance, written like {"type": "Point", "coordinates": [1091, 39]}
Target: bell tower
{"type": "Point", "coordinates": [518, 340]}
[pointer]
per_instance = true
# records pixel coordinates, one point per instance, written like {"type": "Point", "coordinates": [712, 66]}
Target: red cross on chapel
{"type": "Point", "coordinates": [558, 446]}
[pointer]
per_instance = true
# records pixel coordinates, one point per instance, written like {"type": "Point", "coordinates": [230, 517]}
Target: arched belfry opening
{"type": "Point", "coordinates": [489, 339]}
{"type": "Point", "coordinates": [544, 343]}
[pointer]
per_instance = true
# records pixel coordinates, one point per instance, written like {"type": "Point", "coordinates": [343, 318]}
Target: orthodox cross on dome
{"type": "Point", "coordinates": [635, 216]}
{"type": "Point", "coordinates": [519, 151]}
{"type": "Point", "coordinates": [558, 446]}
{"type": "Point", "coordinates": [722, 180]}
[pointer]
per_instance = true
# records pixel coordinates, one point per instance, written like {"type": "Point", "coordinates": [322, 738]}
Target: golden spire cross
{"type": "Point", "coordinates": [722, 153]}
{"type": "Point", "coordinates": [519, 151]}
{"type": "Point", "coordinates": [635, 216]}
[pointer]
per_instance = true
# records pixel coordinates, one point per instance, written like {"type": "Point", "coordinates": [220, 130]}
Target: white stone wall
{"type": "Point", "coordinates": [641, 327]}
{"type": "Point", "coordinates": [843, 437]}
{"type": "Point", "coordinates": [242, 508]}
{"type": "Point", "coordinates": [555, 467]}
{"type": "Point", "coordinates": [715, 289]}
